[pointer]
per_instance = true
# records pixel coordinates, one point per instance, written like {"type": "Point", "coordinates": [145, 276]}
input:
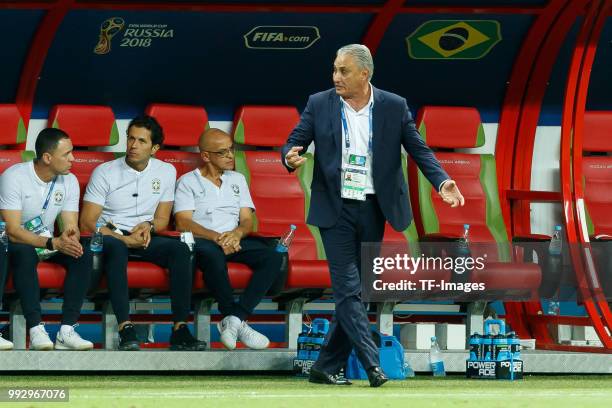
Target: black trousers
{"type": "Point", "coordinates": [163, 251]}
{"type": "Point", "coordinates": [359, 222]}
{"type": "Point", "coordinates": [23, 262]}
{"type": "Point", "coordinates": [262, 259]}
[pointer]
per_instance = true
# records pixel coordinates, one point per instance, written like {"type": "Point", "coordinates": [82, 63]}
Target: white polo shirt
{"type": "Point", "coordinates": [130, 197]}
{"type": "Point", "coordinates": [21, 189]}
{"type": "Point", "coordinates": [214, 208]}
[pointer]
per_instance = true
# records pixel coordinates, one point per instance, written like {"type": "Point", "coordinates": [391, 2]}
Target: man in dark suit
{"type": "Point", "coordinates": [357, 185]}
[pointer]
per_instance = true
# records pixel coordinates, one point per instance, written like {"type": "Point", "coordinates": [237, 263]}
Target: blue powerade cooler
{"type": "Point", "coordinates": [391, 359]}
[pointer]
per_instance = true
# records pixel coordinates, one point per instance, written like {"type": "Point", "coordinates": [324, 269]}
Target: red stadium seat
{"type": "Point", "coordinates": [475, 174]}
{"type": "Point", "coordinates": [183, 125]}
{"type": "Point", "coordinates": [12, 133]}
{"type": "Point", "coordinates": [87, 125]}
{"type": "Point", "coordinates": [277, 194]}
{"type": "Point", "coordinates": [597, 183]}
{"type": "Point", "coordinates": [597, 172]}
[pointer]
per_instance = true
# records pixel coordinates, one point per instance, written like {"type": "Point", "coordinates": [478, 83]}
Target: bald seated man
{"type": "Point", "coordinates": [214, 203]}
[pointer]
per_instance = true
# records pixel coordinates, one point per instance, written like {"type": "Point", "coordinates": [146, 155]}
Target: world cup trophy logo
{"type": "Point", "coordinates": [108, 29]}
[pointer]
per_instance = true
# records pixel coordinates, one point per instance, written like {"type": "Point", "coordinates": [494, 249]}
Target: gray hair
{"type": "Point", "coordinates": [362, 56]}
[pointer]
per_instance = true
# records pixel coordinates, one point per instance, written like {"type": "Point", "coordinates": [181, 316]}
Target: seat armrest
{"type": "Point", "coordinates": [531, 238]}
{"type": "Point", "coordinates": [437, 237]}
{"type": "Point", "coordinates": [260, 235]}
{"type": "Point", "coordinates": [601, 237]}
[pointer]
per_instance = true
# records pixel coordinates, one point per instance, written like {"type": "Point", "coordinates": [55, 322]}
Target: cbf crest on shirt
{"type": "Point", "coordinates": [58, 198]}
{"type": "Point", "coordinates": [155, 186]}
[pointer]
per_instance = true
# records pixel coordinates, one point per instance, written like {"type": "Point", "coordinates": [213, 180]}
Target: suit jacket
{"type": "Point", "coordinates": [393, 127]}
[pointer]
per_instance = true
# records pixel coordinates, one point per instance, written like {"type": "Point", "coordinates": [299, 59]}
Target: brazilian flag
{"type": "Point", "coordinates": [453, 39]}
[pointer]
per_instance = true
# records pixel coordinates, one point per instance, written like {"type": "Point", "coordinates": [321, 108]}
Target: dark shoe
{"type": "Point", "coordinates": [377, 377]}
{"type": "Point", "coordinates": [5, 332]}
{"type": "Point", "coordinates": [128, 340]}
{"type": "Point", "coordinates": [320, 377]}
{"type": "Point", "coordinates": [182, 340]}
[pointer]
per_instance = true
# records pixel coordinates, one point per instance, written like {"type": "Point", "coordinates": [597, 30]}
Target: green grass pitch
{"type": "Point", "coordinates": [246, 391]}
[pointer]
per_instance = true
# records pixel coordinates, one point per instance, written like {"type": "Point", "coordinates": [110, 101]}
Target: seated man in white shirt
{"type": "Point", "coordinates": [214, 203]}
{"type": "Point", "coordinates": [133, 196]}
{"type": "Point", "coordinates": [32, 196]}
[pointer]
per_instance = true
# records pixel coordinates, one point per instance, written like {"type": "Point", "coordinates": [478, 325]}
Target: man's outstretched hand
{"type": "Point", "coordinates": [293, 158]}
{"type": "Point", "coordinates": [451, 195]}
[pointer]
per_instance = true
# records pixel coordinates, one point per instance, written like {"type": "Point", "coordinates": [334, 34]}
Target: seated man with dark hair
{"type": "Point", "coordinates": [214, 203]}
{"type": "Point", "coordinates": [32, 195]}
{"type": "Point", "coordinates": [133, 196]}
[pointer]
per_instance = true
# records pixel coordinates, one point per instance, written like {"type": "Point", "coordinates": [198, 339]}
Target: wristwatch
{"type": "Point", "coordinates": [152, 226]}
{"type": "Point", "coordinates": [49, 244]}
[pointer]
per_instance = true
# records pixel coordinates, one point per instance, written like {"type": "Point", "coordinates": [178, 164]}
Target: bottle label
{"type": "Point", "coordinates": [437, 368]}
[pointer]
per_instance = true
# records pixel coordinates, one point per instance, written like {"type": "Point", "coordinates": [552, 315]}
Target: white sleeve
{"type": "Point", "coordinates": [184, 199]}
{"type": "Point", "coordinates": [98, 187]}
{"type": "Point", "coordinates": [73, 193]}
{"type": "Point", "coordinates": [10, 192]}
{"type": "Point", "coordinates": [245, 194]}
{"type": "Point", "coordinates": [168, 193]}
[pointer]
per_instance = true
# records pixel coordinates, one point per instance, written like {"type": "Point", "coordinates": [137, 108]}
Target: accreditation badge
{"type": "Point", "coordinates": [354, 176]}
{"type": "Point", "coordinates": [36, 226]}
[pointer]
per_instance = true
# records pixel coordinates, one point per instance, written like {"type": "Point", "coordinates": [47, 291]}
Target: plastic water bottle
{"type": "Point", "coordinates": [320, 327]}
{"type": "Point", "coordinates": [435, 359]}
{"type": "Point", "coordinates": [554, 248]}
{"type": "Point", "coordinates": [3, 236]}
{"type": "Point", "coordinates": [463, 247]}
{"type": "Point", "coordinates": [554, 255]}
{"type": "Point", "coordinates": [97, 240]}
{"type": "Point", "coordinates": [408, 370]}
{"type": "Point", "coordinates": [475, 347]}
{"type": "Point", "coordinates": [303, 339]}
{"type": "Point", "coordinates": [554, 308]}
{"type": "Point", "coordinates": [285, 241]}
{"type": "Point", "coordinates": [96, 245]}
{"type": "Point", "coordinates": [515, 345]}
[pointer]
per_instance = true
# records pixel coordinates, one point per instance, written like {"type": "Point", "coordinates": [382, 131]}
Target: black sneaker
{"type": "Point", "coordinates": [182, 340]}
{"type": "Point", "coordinates": [128, 341]}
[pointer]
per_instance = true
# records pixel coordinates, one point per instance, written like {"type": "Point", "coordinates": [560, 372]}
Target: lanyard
{"type": "Point", "coordinates": [347, 139]}
{"type": "Point", "coordinates": [46, 204]}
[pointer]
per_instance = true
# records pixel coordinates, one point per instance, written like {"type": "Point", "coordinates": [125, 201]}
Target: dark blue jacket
{"type": "Point", "coordinates": [393, 127]}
